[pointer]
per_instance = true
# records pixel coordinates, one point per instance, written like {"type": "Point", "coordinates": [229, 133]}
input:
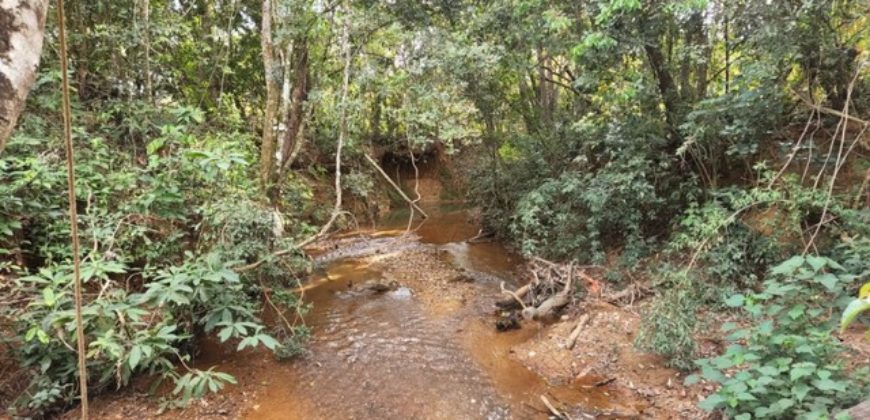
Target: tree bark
{"type": "Point", "coordinates": [22, 26]}
{"type": "Point", "coordinates": [267, 147]}
{"type": "Point", "coordinates": [668, 90]}
{"type": "Point", "coordinates": [298, 97]}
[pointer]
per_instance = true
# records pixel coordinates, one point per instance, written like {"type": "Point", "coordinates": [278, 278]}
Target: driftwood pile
{"type": "Point", "coordinates": [551, 287]}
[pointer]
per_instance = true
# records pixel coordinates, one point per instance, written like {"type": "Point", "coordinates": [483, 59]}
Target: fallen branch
{"type": "Point", "coordinates": [396, 187]}
{"type": "Point", "coordinates": [831, 111]}
{"type": "Point", "coordinates": [575, 334]}
{"type": "Point", "coordinates": [633, 292]}
{"type": "Point", "coordinates": [553, 409]}
{"type": "Point", "coordinates": [514, 295]}
{"type": "Point", "coordinates": [281, 253]}
{"type": "Point", "coordinates": [549, 306]}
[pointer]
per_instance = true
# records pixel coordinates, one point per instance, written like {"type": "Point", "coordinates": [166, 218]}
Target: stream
{"type": "Point", "coordinates": [427, 349]}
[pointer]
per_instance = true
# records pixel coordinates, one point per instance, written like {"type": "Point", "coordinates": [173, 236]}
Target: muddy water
{"type": "Point", "coordinates": [393, 356]}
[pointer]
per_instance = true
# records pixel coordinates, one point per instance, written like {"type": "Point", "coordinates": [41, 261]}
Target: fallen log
{"type": "Point", "coordinates": [546, 309]}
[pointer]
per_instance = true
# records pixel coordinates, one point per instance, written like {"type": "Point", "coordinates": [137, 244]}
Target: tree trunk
{"type": "Point", "coordinates": [146, 35]}
{"type": "Point", "coordinates": [298, 97]}
{"type": "Point", "coordinates": [22, 24]}
{"type": "Point", "coordinates": [267, 148]}
{"type": "Point", "coordinates": [668, 90]}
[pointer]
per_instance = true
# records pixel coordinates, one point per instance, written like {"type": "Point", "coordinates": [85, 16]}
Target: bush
{"type": "Point", "coordinates": [786, 364]}
{"type": "Point", "coordinates": [130, 333]}
{"type": "Point", "coordinates": [668, 328]}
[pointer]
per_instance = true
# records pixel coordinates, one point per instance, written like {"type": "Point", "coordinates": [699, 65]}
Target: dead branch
{"type": "Point", "coordinates": [396, 187]}
{"type": "Point", "coordinates": [553, 409]}
{"type": "Point", "coordinates": [516, 297]}
{"type": "Point", "coordinates": [575, 334]}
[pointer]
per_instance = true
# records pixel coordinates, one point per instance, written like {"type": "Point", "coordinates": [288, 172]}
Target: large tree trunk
{"type": "Point", "coordinates": [267, 148]}
{"type": "Point", "coordinates": [22, 23]}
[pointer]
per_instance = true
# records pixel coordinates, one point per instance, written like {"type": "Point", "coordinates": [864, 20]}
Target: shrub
{"type": "Point", "coordinates": [130, 333]}
{"type": "Point", "coordinates": [668, 328]}
{"type": "Point", "coordinates": [786, 364]}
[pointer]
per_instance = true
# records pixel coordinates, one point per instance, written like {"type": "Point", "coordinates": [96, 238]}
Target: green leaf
{"type": "Point", "coordinates": [800, 391]}
{"type": "Point", "coordinates": [785, 403]}
{"type": "Point", "coordinates": [800, 370]}
{"type": "Point", "coordinates": [712, 402]}
{"type": "Point", "coordinates": [268, 341]}
{"type": "Point", "coordinates": [768, 370]}
{"type": "Point", "coordinates": [135, 356]}
{"type": "Point", "coordinates": [816, 262]}
{"type": "Point", "coordinates": [828, 280]}
{"type": "Point", "coordinates": [829, 385]}
{"type": "Point", "coordinates": [735, 301]}
{"type": "Point", "coordinates": [788, 266]}
{"type": "Point", "coordinates": [225, 333]}
{"type": "Point", "coordinates": [49, 297]}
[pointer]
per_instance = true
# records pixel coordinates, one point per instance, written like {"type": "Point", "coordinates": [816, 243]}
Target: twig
{"type": "Point", "coordinates": [841, 158]}
{"type": "Point", "coordinates": [794, 150]}
{"type": "Point", "coordinates": [831, 111]}
{"type": "Point", "coordinates": [553, 409]}
{"type": "Point", "coordinates": [275, 308]}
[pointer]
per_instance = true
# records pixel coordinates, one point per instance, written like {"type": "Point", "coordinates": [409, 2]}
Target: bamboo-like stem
{"type": "Point", "coordinates": [73, 215]}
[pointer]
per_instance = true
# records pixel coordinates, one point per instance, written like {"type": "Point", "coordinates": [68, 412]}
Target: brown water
{"type": "Point", "coordinates": [391, 356]}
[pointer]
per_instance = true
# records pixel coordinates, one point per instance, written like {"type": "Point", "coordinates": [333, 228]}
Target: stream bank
{"type": "Point", "coordinates": [403, 328]}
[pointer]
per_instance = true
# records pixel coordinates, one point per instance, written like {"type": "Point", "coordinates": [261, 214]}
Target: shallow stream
{"type": "Point", "coordinates": [395, 355]}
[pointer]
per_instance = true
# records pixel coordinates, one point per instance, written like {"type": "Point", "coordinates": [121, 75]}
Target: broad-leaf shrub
{"type": "Point", "coordinates": [131, 333]}
{"type": "Point", "coordinates": [159, 238]}
{"type": "Point", "coordinates": [786, 364]}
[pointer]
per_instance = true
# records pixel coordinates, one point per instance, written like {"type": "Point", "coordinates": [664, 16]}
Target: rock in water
{"type": "Point", "coordinates": [401, 293]}
{"type": "Point", "coordinates": [507, 321]}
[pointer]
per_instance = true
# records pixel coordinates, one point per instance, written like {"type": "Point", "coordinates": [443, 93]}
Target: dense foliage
{"type": "Point", "coordinates": [696, 143]}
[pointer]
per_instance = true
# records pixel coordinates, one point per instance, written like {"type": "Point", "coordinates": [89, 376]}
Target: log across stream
{"type": "Point", "coordinates": [420, 345]}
